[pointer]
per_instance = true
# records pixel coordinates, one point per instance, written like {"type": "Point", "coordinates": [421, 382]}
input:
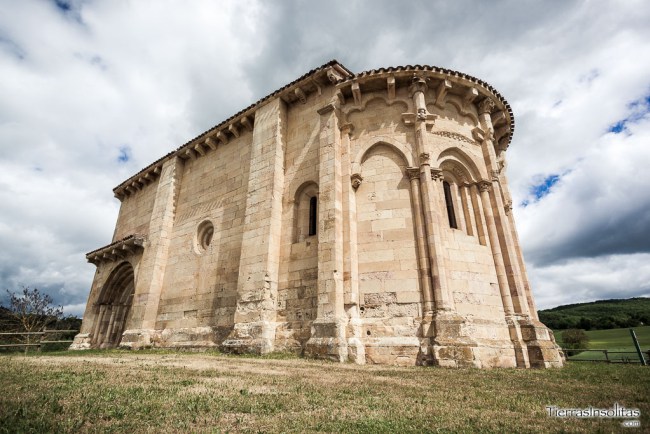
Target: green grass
{"type": "Point", "coordinates": [117, 391]}
{"type": "Point", "coordinates": [613, 340]}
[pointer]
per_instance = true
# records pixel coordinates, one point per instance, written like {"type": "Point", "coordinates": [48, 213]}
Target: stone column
{"type": "Point", "coordinates": [468, 209]}
{"type": "Point", "coordinates": [423, 253]}
{"type": "Point", "coordinates": [459, 210]}
{"type": "Point", "coordinates": [481, 226]}
{"type": "Point", "coordinates": [430, 198]}
{"type": "Point", "coordinates": [510, 260]}
{"type": "Point", "coordinates": [485, 187]}
{"type": "Point", "coordinates": [328, 338]}
{"type": "Point", "coordinates": [257, 284]}
{"type": "Point", "coordinates": [140, 328]}
{"type": "Point", "coordinates": [522, 265]}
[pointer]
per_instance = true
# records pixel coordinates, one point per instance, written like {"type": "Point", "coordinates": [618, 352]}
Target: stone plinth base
{"type": "Point", "coordinates": [543, 352]}
{"type": "Point", "coordinates": [136, 339]}
{"type": "Point", "coordinates": [455, 344]}
{"type": "Point", "coordinates": [253, 337]}
{"type": "Point", "coordinates": [401, 351]}
{"type": "Point", "coordinates": [81, 342]}
{"type": "Point", "coordinates": [328, 341]}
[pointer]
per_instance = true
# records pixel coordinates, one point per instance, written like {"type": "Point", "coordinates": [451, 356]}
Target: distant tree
{"type": "Point", "coordinates": [584, 323]}
{"type": "Point", "coordinates": [31, 311]}
{"type": "Point", "coordinates": [574, 339]}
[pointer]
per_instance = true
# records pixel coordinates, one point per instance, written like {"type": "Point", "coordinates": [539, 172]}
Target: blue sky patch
{"type": "Point", "coordinates": [63, 5]}
{"type": "Point", "coordinates": [124, 155]}
{"type": "Point", "coordinates": [638, 110]}
{"type": "Point", "coordinates": [542, 189]}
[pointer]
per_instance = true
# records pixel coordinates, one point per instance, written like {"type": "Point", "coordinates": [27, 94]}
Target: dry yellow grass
{"type": "Point", "coordinates": [184, 392]}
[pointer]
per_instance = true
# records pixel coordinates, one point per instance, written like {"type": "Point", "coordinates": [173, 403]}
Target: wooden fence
{"type": "Point", "coordinates": [36, 343]}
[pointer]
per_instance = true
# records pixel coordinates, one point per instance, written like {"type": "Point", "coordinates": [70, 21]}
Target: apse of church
{"type": "Point", "coordinates": [354, 217]}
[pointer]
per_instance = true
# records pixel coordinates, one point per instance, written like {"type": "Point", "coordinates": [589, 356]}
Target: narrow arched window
{"type": "Point", "coordinates": [450, 205]}
{"type": "Point", "coordinates": [313, 215]}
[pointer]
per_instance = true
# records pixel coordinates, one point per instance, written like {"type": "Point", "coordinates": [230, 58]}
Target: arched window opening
{"type": "Point", "coordinates": [313, 215]}
{"type": "Point", "coordinates": [305, 217]}
{"type": "Point", "coordinates": [450, 205]}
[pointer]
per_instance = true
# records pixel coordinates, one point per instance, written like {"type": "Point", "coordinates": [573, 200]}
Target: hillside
{"type": "Point", "coordinates": [599, 315]}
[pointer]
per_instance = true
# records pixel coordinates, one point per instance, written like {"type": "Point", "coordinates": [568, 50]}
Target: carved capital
{"type": "Point", "coordinates": [347, 128]}
{"type": "Point", "coordinates": [436, 174]}
{"type": "Point", "coordinates": [507, 206]}
{"type": "Point", "coordinates": [413, 172]}
{"type": "Point", "coordinates": [495, 175]}
{"type": "Point", "coordinates": [418, 84]}
{"type": "Point", "coordinates": [356, 179]}
{"type": "Point", "coordinates": [424, 158]}
{"type": "Point", "coordinates": [486, 106]}
{"type": "Point", "coordinates": [484, 186]}
{"type": "Point", "coordinates": [422, 114]}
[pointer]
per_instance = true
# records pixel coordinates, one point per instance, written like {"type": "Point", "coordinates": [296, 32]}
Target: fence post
{"type": "Point", "coordinates": [638, 348]}
{"type": "Point", "coordinates": [606, 356]}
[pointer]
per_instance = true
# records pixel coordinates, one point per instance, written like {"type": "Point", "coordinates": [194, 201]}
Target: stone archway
{"type": "Point", "coordinates": [113, 307]}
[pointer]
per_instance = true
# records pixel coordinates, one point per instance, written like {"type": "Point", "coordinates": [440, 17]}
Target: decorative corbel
{"type": "Point", "coordinates": [223, 138]}
{"type": "Point", "coordinates": [246, 122]}
{"type": "Point", "coordinates": [234, 130]}
{"type": "Point", "coordinates": [356, 179]}
{"type": "Point", "coordinates": [211, 143]}
{"type": "Point", "coordinates": [300, 94]}
{"type": "Point", "coordinates": [486, 106]}
{"type": "Point", "coordinates": [390, 83]}
{"type": "Point", "coordinates": [441, 93]}
{"type": "Point", "coordinates": [356, 93]}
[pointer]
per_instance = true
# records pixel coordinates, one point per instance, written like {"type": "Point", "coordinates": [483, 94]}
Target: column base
{"type": "Point", "coordinates": [328, 340]}
{"type": "Point", "coordinates": [252, 337]}
{"type": "Point", "coordinates": [543, 352]}
{"type": "Point", "coordinates": [138, 339]}
{"type": "Point", "coordinates": [450, 346]}
{"type": "Point", "coordinates": [82, 341]}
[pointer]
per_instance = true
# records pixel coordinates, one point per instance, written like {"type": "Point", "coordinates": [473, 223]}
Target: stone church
{"type": "Point", "coordinates": [354, 217]}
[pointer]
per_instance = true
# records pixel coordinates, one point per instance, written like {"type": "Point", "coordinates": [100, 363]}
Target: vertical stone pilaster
{"type": "Point", "coordinates": [257, 284]}
{"type": "Point", "coordinates": [151, 271]}
{"type": "Point", "coordinates": [350, 182]}
{"type": "Point", "coordinates": [328, 339]}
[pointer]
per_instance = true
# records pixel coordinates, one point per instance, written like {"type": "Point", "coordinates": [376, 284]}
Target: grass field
{"type": "Point", "coordinates": [613, 340]}
{"type": "Point", "coordinates": [114, 391]}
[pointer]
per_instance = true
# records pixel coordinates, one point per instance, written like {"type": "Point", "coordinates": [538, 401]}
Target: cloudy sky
{"type": "Point", "coordinates": [92, 91]}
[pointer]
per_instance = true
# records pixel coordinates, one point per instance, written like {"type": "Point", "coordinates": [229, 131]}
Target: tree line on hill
{"type": "Point", "coordinates": [598, 315]}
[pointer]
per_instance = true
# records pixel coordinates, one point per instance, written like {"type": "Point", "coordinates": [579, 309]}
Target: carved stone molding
{"type": "Point", "coordinates": [413, 172]}
{"type": "Point", "coordinates": [356, 180]}
{"type": "Point", "coordinates": [486, 106]}
{"type": "Point", "coordinates": [454, 136]}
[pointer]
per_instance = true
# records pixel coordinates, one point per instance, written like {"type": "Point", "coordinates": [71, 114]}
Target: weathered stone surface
{"type": "Point", "coordinates": [344, 219]}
